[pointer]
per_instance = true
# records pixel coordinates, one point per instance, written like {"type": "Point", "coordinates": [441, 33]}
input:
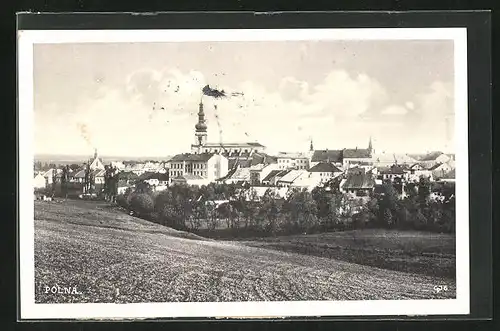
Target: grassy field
{"type": "Point", "coordinates": [112, 257]}
{"type": "Point", "coordinates": [424, 253]}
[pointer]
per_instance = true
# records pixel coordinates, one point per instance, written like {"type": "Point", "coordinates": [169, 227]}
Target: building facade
{"type": "Point", "coordinates": [209, 166]}
{"type": "Point", "coordinates": [297, 161]}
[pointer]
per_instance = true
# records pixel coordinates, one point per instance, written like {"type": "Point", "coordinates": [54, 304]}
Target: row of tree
{"type": "Point", "coordinates": [219, 207]}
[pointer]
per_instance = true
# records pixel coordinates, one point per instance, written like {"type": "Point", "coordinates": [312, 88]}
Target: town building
{"type": "Point", "coordinates": [288, 179]}
{"type": "Point", "coordinates": [322, 172]}
{"type": "Point", "coordinates": [96, 162]}
{"type": "Point", "coordinates": [358, 185]}
{"type": "Point", "coordinates": [345, 158]}
{"type": "Point", "coordinates": [417, 170]}
{"type": "Point", "coordinates": [208, 166]}
{"type": "Point", "coordinates": [326, 155]}
{"type": "Point", "coordinates": [39, 181]}
{"type": "Point", "coordinates": [439, 170]}
{"type": "Point", "coordinates": [259, 171]}
{"type": "Point", "coordinates": [387, 159]}
{"type": "Point", "coordinates": [274, 176]}
{"type": "Point", "coordinates": [296, 161]}
{"type": "Point", "coordinates": [237, 176]}
{"type": "Point", "coordinates": [230, 150]}
{"type": "Point", "coordinates": [434, 158]}
{"type": "Point", "coordinates": [393, 172]}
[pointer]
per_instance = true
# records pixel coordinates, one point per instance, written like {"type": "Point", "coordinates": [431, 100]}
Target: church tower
{"type": "Point", "coordinates": [370, 147]}
{"type": "Point", "coordinates": [201, 128]}
{"type": "Point", "coordinates": [311, 147]}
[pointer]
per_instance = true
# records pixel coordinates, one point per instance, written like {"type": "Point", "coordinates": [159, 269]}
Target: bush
{"type": "Point", "coordinates": [142, 204]}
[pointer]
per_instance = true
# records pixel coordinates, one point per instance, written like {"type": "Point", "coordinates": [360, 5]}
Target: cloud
{"type": "Point", "coordinates": [410, 105]}
{"type": "Point", "coordinates": [156, 112]}
{"type": "Point", "coordinates": [394, 110]}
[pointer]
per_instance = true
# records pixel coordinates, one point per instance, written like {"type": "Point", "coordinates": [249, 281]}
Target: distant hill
{"type": "Point", "coordinates": [68, 159]}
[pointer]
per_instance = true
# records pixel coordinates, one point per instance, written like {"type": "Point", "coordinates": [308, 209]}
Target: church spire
{"type": "Point", "coordinates": [370, 146]}
{"type": "Point", "coordinates": [201, 127]}
{"type": "Point", "coordinates": [311, 147]}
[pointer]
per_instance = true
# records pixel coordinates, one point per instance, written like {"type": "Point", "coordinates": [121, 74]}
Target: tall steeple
{"type": "Point", "coordinates": [95, 153]}
{"type": "Point", "coordinates": [311, 147]}
{"type": "Point", "coordinates": [201, 127]}
{"type": "Point", "coordinates": [370, 146]}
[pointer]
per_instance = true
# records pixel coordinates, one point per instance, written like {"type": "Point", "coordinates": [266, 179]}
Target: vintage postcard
{"type": "Point", "coordinates": [243, 173]}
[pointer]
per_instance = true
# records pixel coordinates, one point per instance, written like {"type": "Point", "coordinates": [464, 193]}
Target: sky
{"type": "Point", "coordinates": [141, 99]}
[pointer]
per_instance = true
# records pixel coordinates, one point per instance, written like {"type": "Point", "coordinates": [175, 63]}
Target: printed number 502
{"type": "Point", "coordinates": [440, 288]}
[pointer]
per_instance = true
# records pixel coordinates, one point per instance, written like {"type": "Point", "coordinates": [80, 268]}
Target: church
{"type": "Point", "coordinates": [242, 154]}
{"type": "Point", "coordinates": [201, 145]}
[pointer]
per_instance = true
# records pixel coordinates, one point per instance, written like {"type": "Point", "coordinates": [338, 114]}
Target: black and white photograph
{"type": "Point", "coordinates": [226, 173]}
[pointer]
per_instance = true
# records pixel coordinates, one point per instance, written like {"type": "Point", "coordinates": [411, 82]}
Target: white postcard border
{"type": "Point", "coordinates": [30, 310]}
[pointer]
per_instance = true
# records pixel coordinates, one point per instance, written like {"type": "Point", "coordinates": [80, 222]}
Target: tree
{"type": "Point", "coordinates": [424, 190]}
{"type": "Point", "coordinates": [142, 204]}
{"type": "Point", "coordinates": [64, 181]}
{"type": "Point", "coordinates": [73, 166]}
{"type": "Point", "coordinates": [388, 219]}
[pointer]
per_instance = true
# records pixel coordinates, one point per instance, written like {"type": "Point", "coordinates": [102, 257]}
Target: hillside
{"type": "Point", "coordinates": [112, 257]}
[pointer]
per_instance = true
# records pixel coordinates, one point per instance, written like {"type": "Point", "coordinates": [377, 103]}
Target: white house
{"type": "Point", "coordinates": [260, 171]}
{"type": "Point", "coordinates": [393, 172]}
{"type": "Point", "coordinates": [323, 172]}
{"type": "Point", "coordinates": [439, 170]}
{"type": "Point", "coordinates": [296, 161]}
{"type": "Point", "coordinates": [417, 170]}
{"type": "Point", "coordinates": [434, 158]}
{"type": "Point", "coordinates": [209, 166]}
{"type": "Point", "coordinates": [290, 177]}
{"type": "Point", "coordinates": [39, 181]}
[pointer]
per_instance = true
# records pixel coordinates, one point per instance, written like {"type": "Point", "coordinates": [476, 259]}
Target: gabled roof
{"type": "Point", "coordinates": [271, 175]}
{"type": "Point", "coordinates": [357, 153]}
{"type": "Point", "coordinates": [435, 166]}
{"type": "Point", "coordinates": [324, 167]}
{"type": "Point", "coordinates": [285, 155]}
{"type": "Point", "coordinates": [256, 144]}
{"type": "Point", "coordinates": [98, 172]}
{"type": "Point", "coordinates": [292, 175]}
{"type": "Point", "coordinates": [416, 165]}
{"type": "Point", "coordinates": [202, 157]}
{"type": "Point", "coordinates": [327, 156]}
{"type": "Point", "coordinates": [359, 181]}
{"type": "Point", "coordinates": [431, 156]}
{"type": "Point", "coordinates": [188, 177]}
{"type": "Point", "coordinates": [80, 174]}
{"type": "Point", "coordinates": [393, 170]}
{"type": "Point", "coordinates": [145, 175]}
{"type": "Point", "coordinates": [241, 174]}
{"type": "Point", "coordinates": [154, 175]}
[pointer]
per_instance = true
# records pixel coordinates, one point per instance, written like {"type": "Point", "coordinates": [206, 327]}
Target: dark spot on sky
{"type": "Point", "coordinates": [214, 93]}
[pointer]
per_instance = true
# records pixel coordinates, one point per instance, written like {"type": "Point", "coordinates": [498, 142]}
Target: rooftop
{"type": "Point", "coordinates": [202, 157]}
{"type": "Point", "coordinates": [431, 156]}
{"type": "Point", "coordinates": [356, 153]}
{"type": "Point", "coordinates": [359, 181]}
{"type": "Point", "coordinates": [327, 155]}
{"type": "Point", "coordinates": [324, 167]}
